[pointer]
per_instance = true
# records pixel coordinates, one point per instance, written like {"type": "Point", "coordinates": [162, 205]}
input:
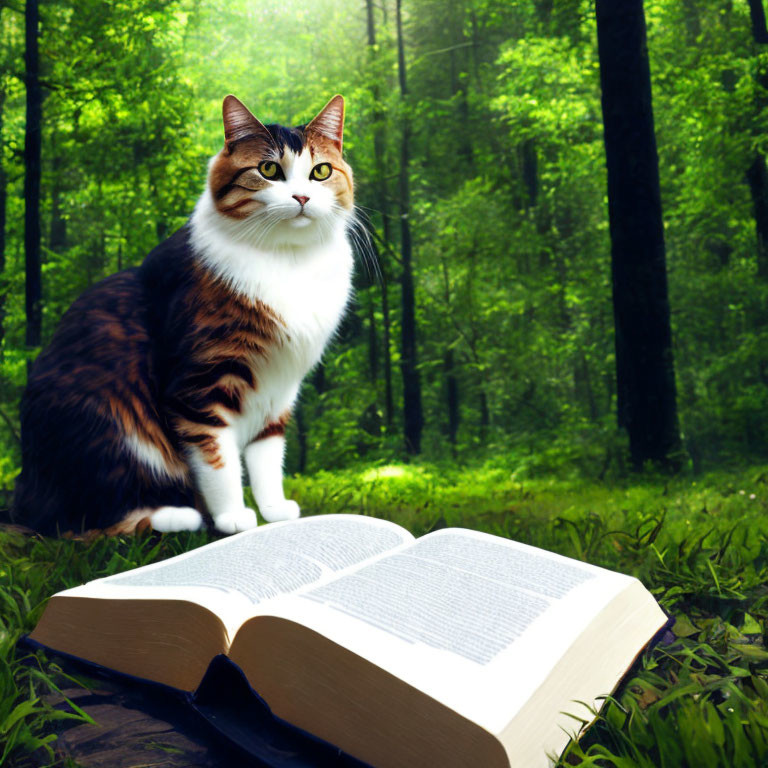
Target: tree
{"type": "Point", "coordinates": [3, 201]}
{"type": "Point", "coordinates": [757, 178]}
{"type": "Point", "coordinates": [757, 173]}
{"type": "Point", "coordinates": [412, 413]}
{"type": "Point", "coordinates": [32, 163]}
{"type": "Point", "coordinates": [379, 150]}
{"type": "Point", "coordinates": [647, 405]}
{"type": "Point", "coordinates": [757, 14]}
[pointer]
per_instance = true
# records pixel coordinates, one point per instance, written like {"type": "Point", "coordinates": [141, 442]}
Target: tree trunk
{"type": "Point", "coordinates": [3, 201]}
{"type": "Point", "coordinates": [529, 161]}
{"type": "Point", "coordinates": [485, 413]}
{"type": "Point", "coordinates": [457, 89]}
{"type": "Point", "coordinates": [371, 25]}
{"type": "Point", "coordinates": [379, 149]}
{"type": "Point", "coordinates": [373, 347]}
{"type": "Point", "coordinates": [644, 362]}
{"type": "Point", "coordinates": [452, 396]}
{"type": "Point", "coordinates": [301, 434]}
{"type": "Point", "coordinates": [57, 232]}
{"type": "Point", "coordinates": [583, 385]}
{"type": "Point", "coordinates": [389, 406]}
{"type": "Point", "coordinates": [318, 379]}
{"type": "Point", "coordinates": [413, 418]}
{"type": "Point", "coordinates": [32, 153]}
{"type": "Point", "coordinates": [757, 15]}
{"type": "Point", "coordinates": [757, 176]}
{"type": "Point", "coordinates": [692, 20]}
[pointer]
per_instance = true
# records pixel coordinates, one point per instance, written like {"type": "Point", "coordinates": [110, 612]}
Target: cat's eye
{"type": "Point", "coordinates": [321, 172]}
{"type": "Point", "coordinates": [269, 169]}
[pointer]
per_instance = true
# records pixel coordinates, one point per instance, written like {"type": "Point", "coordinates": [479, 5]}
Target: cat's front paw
{"type": "Point", "coordinates": [236, 520]}
{"type": "Point", "coordinates": [286, 509]}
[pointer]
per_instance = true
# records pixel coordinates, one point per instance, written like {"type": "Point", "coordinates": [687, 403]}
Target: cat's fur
{"type": "Point", "coordinates": [161, 378]}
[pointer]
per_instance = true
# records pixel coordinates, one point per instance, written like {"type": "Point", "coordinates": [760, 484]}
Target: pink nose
{"type": "Point", "coordinates": [302, 199]}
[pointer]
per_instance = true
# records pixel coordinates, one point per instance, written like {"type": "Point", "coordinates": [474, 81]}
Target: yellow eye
{"type": "Point", "coordinates": [321, 172]}
{"type": "Point", "coordinates": [269, 169]}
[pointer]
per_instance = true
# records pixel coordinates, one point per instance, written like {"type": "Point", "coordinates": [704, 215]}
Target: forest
{"type": "Point", "coordinates": [559, 330]}
{"type": "Point", "coordinates": [483, 322]}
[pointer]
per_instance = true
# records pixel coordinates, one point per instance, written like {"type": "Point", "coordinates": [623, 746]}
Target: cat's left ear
{"type": "Point", "coordinates": [240, 124]}
{"type": "Point", "coordinates": [329, 122]}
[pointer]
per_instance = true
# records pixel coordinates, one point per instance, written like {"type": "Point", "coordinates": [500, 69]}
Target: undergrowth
{"type": "Point", "coordinates": [699, 698]}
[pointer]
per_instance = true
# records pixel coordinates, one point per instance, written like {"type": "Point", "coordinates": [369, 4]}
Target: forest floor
{"type": "Point", "coordinates": [700, 544]}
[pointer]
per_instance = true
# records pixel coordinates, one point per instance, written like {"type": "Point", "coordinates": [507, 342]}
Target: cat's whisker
{"type": "Point", "coordinates": [358, 229]}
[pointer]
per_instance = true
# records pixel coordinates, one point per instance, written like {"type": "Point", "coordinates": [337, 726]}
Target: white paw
{"type": "Point", "coordinates": [176, 519]}
{"type": "Point", "coordinates": [285, 509]}
{"type": "Point", "coordinates": [235, 520]}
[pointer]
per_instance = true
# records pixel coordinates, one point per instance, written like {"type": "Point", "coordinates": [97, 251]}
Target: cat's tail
{"type": "Point", "coordinates": [9, 522]}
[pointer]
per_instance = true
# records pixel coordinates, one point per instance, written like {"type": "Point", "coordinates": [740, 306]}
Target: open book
{"type": "Point", "coordinates": [458, 648]}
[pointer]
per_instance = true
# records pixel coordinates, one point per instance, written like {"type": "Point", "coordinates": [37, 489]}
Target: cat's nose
{"type": "Point", "coordinates": [302, 199]}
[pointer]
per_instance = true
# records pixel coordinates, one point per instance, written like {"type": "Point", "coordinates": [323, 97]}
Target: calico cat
{"type": "Point", "coordinates": [161, 377]}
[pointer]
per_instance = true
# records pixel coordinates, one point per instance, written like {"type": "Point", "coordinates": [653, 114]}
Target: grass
{"type": "Point", "coordinates": [700, 544]}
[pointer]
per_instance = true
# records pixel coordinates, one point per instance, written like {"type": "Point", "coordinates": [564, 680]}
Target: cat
{"type": "Point", "coordinates": [161, 377]}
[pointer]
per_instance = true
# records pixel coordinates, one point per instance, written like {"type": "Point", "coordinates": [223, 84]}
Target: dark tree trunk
{"type": "Point", "coordinates": [318, 379]}
{"type": "Point", "coordinates": [644, 362]}
{"type": "Point", "coordinates": [529, 161]}
{"type": "Point", "coordinates": [3, 202]}
{"type": "Point", "coordinates": [301, 434]}
{"type": "Point", "coordinates": [371, 24]}
{"type": "Point", "coordinates": [475, 45]}
{"type": "Point", "coordinates": [544, 10]}
{"type": "Point", "coordinates": [57, 235]}
{"type": "Point", "coordinates": [389, 406]}
{"type": "Point", "coordinates": [379, 149]}
{"type": "Point", "coordinates": [458, 89]}
{"type": "Point", "coordinates": [32, 152]}
{"type": "Point", "coordinates": [757, 176]}
{"type": "Point", "coordinates": [373, 346]}
{"type": "Point", "coordinates": [583, 384]}
{"type": "Point", "coordinates": [692, 20]}
{"type": "Point", "coordinates": [452, 396]}
{"type": "Point", "coordinates": [757, 15]}
{"type": "Point", "coordinates": [485, 413]}
{"type": "Point", "coordinates": [413, 419]}
{"type": "Point", "coordinates": [57, 232]}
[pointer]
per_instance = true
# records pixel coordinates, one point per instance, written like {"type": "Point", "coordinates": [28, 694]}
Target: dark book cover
{"type": "Point", "coordinates": [231, 710]}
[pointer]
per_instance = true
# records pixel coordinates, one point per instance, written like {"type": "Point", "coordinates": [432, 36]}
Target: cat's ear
{"type": "Point", "coordinates": [240, 124]}
{"type": "Point", "coordinates": [329, 123]}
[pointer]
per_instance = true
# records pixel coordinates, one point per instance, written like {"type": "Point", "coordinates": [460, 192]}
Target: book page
{"type": "Point", "coordinates": [234, 576]}
{"type": "Point", "coordinates": [473, 620]}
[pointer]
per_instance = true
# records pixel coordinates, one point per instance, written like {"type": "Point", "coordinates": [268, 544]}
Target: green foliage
{"type": "Point", "coordinates": [509, 215]}
{"type": "Point", "coordinates": [699, 698]}
{"type": "Point", "coordinates": [31, 569]}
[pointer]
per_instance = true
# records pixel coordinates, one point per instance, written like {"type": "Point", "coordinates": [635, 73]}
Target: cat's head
{"type": "Point", "coordinates": [282, 186]}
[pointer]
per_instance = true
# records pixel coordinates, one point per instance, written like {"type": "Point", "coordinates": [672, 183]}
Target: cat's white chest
{"type": "Point", "coordinates": [307, 290]}
{"type": "Point", "coordinates": [309, 297]}
{"type": "Point", "coordinates": [309, 301]}
{"type": "Point", "coordinates": [308, 293]}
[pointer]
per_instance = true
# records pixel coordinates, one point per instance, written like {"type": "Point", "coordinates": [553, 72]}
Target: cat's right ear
{"type": "Point", "coordinates": [240, 124]}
